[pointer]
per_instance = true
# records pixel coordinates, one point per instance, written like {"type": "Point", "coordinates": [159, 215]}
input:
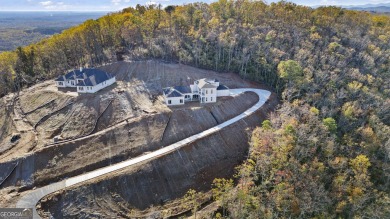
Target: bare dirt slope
{"type": "Point", "coordinates": [117, 123]}
{"type": "Point", "coordinates": [130, 139]}
{"type": "Point", "coordinates": [42, 112]}
{"type": "Point", "coordinates": [149, 189]}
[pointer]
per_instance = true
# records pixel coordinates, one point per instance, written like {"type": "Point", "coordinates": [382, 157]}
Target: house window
{"type": "Point", "coordinates": [169, 102]}
{"type": "Point", "coordinates": [206, 99]}
{"type": "Point", "coordinates": [81, 88]}
{"type": "Point", "coordinates": [206, 91]}
{"type": "Point", "coordinates": [211, 99]}
{"type": "Point", "coordinates": [211, 92]}
{"type": "Point", "coordinates": [60, 83]}
{"type": "Point", "coordinates": [181, 100]}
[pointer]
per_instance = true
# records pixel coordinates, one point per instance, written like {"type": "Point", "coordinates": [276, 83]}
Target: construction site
{"type": "Point", "coordinates": [49, 134]}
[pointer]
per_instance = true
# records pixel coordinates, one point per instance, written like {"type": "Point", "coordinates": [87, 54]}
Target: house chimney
{"type": "Point", "coordinates": [81, 69]}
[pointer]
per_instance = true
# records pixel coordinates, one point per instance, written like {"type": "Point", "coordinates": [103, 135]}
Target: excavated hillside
{"type": "Point", "coordinates": [120, 122]}
{"type": "Point", "coordinates": [42, 112]}
{"type": "Point", "coordinates": [128, 139]}
{"type": "Point", "coordinates": [151, 189]}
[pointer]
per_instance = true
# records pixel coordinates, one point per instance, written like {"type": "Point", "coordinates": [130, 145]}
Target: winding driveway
{"type": "Point", "coordinates": [32, 198]}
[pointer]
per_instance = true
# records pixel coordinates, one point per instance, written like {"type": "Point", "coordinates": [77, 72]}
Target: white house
{"type": "Point", "coordinates": [204, 90]}
{"type": "Point", "coordinates": [88, 80]}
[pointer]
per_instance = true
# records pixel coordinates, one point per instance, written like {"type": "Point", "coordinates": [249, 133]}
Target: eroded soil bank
{"type": "Point", "coordinates": [126, 140]}
{"type": "Point", "coordinates": [144, 189]}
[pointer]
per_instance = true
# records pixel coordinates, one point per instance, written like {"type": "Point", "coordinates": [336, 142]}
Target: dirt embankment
{"type": "Point", "coordinates": [144, 189]}
{"type": "Point", "coordinates": [125, 141]}
{"type": "Point", "coordinates": [135, 97]}
{"type": "Point", "coordinates": [31, 103]}
{"type": "Point", "coordinates": [136, 93]}
{"type": "Point", "coordinates": [184, 122]}
{"type": "Point", "coordinates": [6, 128]}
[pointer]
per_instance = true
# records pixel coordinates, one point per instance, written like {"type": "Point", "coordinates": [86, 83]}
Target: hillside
{"type": "Point", "coordinates": [120, 122]}
{"type": "Point", "coordinates": [324, 153]}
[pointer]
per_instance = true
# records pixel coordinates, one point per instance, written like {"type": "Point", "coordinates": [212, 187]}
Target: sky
{"type": "Point", "coordinates": [115, 5]}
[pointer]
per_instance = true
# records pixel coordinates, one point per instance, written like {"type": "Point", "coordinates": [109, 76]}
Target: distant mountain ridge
{"type": "Point", "coordinates": [379, 8]}
{"type": "Point", "coordinates": [369, 5]}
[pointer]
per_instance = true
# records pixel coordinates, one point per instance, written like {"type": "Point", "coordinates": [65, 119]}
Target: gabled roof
{"type": "Point", "coordinates": [172, 92]}
{"type": "Point", "coordinates": [166, 90]}
{"type": "Point", "coordinates": [61, 78]}
{"type": "Point", "coordinates": [183, 89]}
{"type": "Point", "coordinates": [207, 83]}
{"type": "Point", "coordinates": [95, 79]}
{"type": "Point", "coordinates": [90, 76]}
{"type": "Point", "coordinates": [69, 76]}
{"type": "Point", "coordinates": [222, 87]}
{"type": "Point", "coordinates": [175, 93]}
{"type": "Point", "coordinates": [208, 86]}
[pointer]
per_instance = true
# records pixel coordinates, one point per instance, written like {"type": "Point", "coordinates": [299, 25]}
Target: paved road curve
{"type": "Point", "coordinates": [32, 198]}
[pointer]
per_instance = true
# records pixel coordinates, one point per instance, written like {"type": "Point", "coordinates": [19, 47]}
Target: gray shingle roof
{"type": "Point", "coordinates": [208, 86]}
{"type": "Point", "coordinates": [183, 89]}
{"type": "Point", "coordinates": [90, 76]}
{"type": "Point", "coordinates": [61, 78]}
{"type": "Point", "coordinates": [207, 83]}
{"type": "Point", "coordinates": [222, 87]}
{"type": "Point", "coordinates": [69, 76]}
{"type": "Point", "coordinates": [166, 90]}
{"type": "Point", "coordinates": [175, 93]}
{"type": "Point", "coordinates": [172, 92]}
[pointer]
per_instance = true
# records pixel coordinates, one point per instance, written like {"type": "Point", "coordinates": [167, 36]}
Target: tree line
{"type": "Point", "coordinates": [325, 153]}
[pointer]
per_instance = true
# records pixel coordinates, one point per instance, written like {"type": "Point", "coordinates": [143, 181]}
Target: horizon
{"type": "Point", "coordinates": [53, 11]}
{"type": "Point", "coordinates": [90, 6]}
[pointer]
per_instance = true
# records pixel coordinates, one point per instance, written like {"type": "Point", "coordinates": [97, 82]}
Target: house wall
{"type": "Point", "coordinates": [174, 100]}
{"type": "Point", "coordinates": [223, 93]}
{"type": "Point", "coordinates": [190, 96]}
{"type": "Point", "coordinates": [71, 83]}
{"type": "Point", "coordinates": [59, 85]}
{"type": "Point", "coordinates": [96, 88]}
{"type": "Point", "coordinates": [194, 88]}
{"type": "Point", "coordinates": [208, 97]}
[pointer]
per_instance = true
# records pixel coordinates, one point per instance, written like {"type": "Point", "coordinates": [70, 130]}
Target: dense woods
{"type": "Point", "coordinates": [324, 154]}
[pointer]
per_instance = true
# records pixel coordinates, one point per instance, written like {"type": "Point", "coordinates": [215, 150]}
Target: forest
{"type": "Point", "coordinates": [323, 154]}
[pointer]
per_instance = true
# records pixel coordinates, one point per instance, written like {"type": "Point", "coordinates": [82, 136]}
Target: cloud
{"type": "Point", "coordinates": [118, 2]}
{"type": "Point", "coordinates": [49, 5]}
{"type": "Point", "coordinates": [151, 3]}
